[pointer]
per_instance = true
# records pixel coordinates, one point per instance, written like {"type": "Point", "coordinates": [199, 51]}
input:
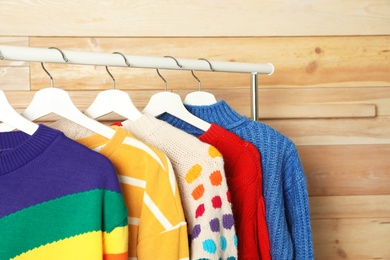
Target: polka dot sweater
{"type": "Point", "coordinates": [200, 174]}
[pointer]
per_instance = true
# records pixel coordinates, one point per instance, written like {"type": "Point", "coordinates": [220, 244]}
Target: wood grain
{"type": "Point", "coordinates": [350, 131]}
{"type": "Point", "coordinates": [14, 78]}
{"type": "Point", "coordinates": [349, 207]}
{"type": "Point", "coordinates": [346, 169]}
{"type": "Point", "coordinates": [365, 238]}
{"type": "Point", "coordinates": [194, 18]}
{"type": "Point", "coordinates": [321, 111]}
{"type": "Point", "coordinates": [299, 62]}
{"type": "Point", "coordinates": [270, 98]}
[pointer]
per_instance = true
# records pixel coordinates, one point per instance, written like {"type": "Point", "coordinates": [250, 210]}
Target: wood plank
{"type": "Point", "coordinates": [299, 62]}
{"type": "Point", "coordinates": [351, 207]}
{"type": "Point", "coordinates": [20, 99]}
{"type": "Point", "coordinates": [17, 41]}
{"type": "Point", "coordinates": [14, 78]}
{"type": "Point", "coordinates": [350, 131]}
{"type": "Point", "coordinates": [351, 238]}
{"type": "Point", "coordinates": [271, 98]}
{"type": "Point", "coordinates": [321, 111]}
{"type": "Point", "coordinates": [346, 169]}
{"type": "Point", "coordinates": [199, 18]}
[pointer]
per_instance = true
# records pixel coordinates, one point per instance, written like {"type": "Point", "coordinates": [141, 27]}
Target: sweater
{"type": "Point", "coordinates": [284, 182]}
{"type": "Point", "coordinates": [157, 227]}
{"type": "Point", "coordinates": [244, 179]}
{"type": "Point", "coordinates": [58, 200]}
{"type": "Point", "coordinates": [200, 173]}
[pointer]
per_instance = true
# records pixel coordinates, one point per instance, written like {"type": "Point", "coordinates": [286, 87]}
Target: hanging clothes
{"type": "Point", "coordinates": [157, 226]}
{"type": "Point", "coordinates": [199, 169]}
{"type": "Point", "coordinates": [244, 179]}
{"type": "Point", "coordinates": [58, 200]}
{"type": "Point", "coordinates": [284, 182]}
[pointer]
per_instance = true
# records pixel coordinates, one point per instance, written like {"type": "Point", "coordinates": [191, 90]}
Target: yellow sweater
{"type": "Point", "coordinates": [157, 227]}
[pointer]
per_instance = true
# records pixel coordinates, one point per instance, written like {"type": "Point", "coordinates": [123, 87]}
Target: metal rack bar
{"type": "Point", "coordinates": [33, 54]}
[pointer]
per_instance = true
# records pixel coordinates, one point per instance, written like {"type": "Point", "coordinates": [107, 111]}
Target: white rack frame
{"type": "Point", "coordinates": [33, 54]}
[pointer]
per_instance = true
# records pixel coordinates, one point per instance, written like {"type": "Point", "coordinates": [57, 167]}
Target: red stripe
{"type": "Point", "coordinates": [122, 256]}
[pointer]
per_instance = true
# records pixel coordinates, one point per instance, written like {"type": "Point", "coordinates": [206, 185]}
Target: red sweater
{"type": "Point", "coordinates": [244, 178]}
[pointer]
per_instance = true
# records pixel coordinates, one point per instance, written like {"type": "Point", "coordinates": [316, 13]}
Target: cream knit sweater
{"type": "Point", "coordinates": [199, 169]}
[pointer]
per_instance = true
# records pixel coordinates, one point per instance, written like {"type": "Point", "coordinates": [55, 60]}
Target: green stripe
{"type": "Point", "coordinates": [59, 219]}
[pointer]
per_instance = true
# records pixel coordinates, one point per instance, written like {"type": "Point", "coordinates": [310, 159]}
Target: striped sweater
{"type": "Point", "coordinates": [58, 200]}
{"type": "Point", "coordinates": [157, 227]}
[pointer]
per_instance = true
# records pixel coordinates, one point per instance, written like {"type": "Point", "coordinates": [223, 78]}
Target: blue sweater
{"type": "Point", "coordinates": [284, 182]}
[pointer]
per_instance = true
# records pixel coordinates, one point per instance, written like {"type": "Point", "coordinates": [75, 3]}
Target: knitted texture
{"type": "Point", "coordinates": [157, 227]}
{"type": "Point", "coordinates": [199, 169]}
{"type": "Point", "coordinates": [284, 183]}
{"type": "Point", "coordinates": [244, 179]}
{"type": "Point", "coordinates": [58, 200]}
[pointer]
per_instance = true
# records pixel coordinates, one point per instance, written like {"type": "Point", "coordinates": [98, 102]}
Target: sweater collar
{"type": "Point", "coordinates": [219, 113]}
{"type": "Point", "coordinates": [18, 148]}
{"type": "Point", "coordinates": [143, 126]}
{"type": "Point", "coordinates": [103, 145]}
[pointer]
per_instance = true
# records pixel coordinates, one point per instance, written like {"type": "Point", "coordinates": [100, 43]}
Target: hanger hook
{"type": "Point", "coordinates": [47, 72]}
{"type": "Point", "coordinates": [165, 82]}
{"type": "Point", "coordinates": [124, 57]}
{"type": "Point", "coordinates": [178, 64]}
{"type": "Point", "coordinates": [62, 54]}
{"type": "Point", "coordinates": [158, 72]}
{"type": "Point", "coordinates": [113, 79]}
{"type": "Point", "coordinates": [199, 83]}
{"type": "Point", "coordinates": [51, 78]}
{"type": "Point", "coordinates": [109, 73]}
{"type": "Point", "coordinates": [211, 67]}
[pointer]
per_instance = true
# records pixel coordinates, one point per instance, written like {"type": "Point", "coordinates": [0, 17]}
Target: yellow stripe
{"type": "Point", "coordinates": [82, 247]}
{"type": "Point", "coordinates": [115, 242]}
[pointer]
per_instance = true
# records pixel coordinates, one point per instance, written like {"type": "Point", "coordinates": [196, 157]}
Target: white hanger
{"type": "Point", "coordinates": [113, 100]}
{"type": "Point", "coordinates": [200, 98]}
{"type": "Point", "coordinates": [12, 119]}
{"type": "Point", "coordinates": [169, 102]}
{"type": "Point", "coordinates": [57, 101]}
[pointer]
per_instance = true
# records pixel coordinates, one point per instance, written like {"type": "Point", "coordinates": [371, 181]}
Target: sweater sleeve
{"type": "Point", "coordinates": [297, 206]}
{"type": "Point", "coordinates": [114, 221]}
{"type": "Point", "coordinates": [115, 242]}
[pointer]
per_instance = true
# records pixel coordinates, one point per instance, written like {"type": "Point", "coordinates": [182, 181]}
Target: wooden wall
{"type": "Point", "coordinates": [330, 92]}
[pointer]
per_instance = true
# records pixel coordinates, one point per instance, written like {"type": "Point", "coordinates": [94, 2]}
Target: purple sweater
{"type": "Point", "coordinates": [53, 189]}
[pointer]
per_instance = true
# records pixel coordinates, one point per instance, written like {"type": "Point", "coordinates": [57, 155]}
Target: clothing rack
{"type": "Point", "coordinates": [53, 55]}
